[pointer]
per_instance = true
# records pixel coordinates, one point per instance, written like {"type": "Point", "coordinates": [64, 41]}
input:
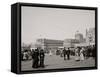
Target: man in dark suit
{"type": "Point", "coordinates": [68, 54]}
{"type": "Point", "coordinates": [93, 52]}
{"type": "Point", "coordinates": [41, 55]}
{"type": "Point", "coordinates": [35, 57]}
{"type": "Point", "coordinates": [64, 52]}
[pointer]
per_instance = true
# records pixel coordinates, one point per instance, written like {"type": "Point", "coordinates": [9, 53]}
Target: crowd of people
{"type": "Point", "coordinates": [38, 58]}
{"type": "Point", "coordinates": [26, 55]}
{"type": "Point", "coordinates": [83, 53]}
{"type": "Point", "coordinates": [80, 53]}
{"type": "Point", "coordinates": [36, 55]}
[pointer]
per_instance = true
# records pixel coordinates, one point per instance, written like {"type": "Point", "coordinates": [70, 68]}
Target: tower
{"type": "Point", "coordinates": [79, 36]}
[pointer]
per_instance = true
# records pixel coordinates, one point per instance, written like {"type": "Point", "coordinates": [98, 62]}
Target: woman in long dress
{"type": "Point", "coordinates": [81, 54]}
{"type": "Point", "coordinates": [50, 52]}
{"type": "Point", "coordinates": [77, 54]}
{"type": "Point", "coordinates": [24, 56]}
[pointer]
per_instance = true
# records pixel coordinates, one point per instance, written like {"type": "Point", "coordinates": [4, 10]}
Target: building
{"type": "Point", "coordinates": [70, 42]}
{"type": "Point", "coordinates": [90, 36]}
{"type": "Point", "coordinates": [79, 37]}
{"type": "Point", "coordinates": [49, 44]}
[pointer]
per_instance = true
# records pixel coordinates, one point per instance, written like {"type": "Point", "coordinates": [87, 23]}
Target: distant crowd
{"type": "Point", "coordinates": [80, 53]}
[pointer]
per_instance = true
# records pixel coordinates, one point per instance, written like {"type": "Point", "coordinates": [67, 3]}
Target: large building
{"type": "Point", "coordinates": [90, 36]}
{"type": "Point", "coordinates": [79, 37]}
{"type": "Point", "coordinates": [70, 42]}
{"type": "Point", "coordinates": [49, 44]}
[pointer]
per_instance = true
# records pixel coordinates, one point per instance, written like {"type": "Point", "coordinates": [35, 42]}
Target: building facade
{"type": "Point", "coordinates": [79, 37]}
{"type": "Point", "coordinates": [77, 40]}
{"type": "Point", "coordinates": [48, 44]}
{"type": "Point", "coordinates": [70, 42]}
{"type": "Point", "coordinates": [90, 36]}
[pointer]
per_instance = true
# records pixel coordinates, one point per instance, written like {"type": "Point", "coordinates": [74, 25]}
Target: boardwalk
{"type": "Point", "coordinates": [52, 62]}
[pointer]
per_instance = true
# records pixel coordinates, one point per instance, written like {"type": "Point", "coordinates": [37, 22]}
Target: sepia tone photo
{"type": "Point", "coordinates": [55, 38]}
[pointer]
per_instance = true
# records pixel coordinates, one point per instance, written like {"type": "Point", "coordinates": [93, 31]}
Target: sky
{"type": "Point", "coordinates": [54, 23]}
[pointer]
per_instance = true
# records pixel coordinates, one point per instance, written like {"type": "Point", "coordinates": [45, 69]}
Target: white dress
{"type": "Point", "coordinates": [24, 55]}
{"type": "Point", "coordinates": [81, 55]}
{"type": "Point", "coordinates": [77, 55]}
{"type": "Point", "coordinates": [50, 53]}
